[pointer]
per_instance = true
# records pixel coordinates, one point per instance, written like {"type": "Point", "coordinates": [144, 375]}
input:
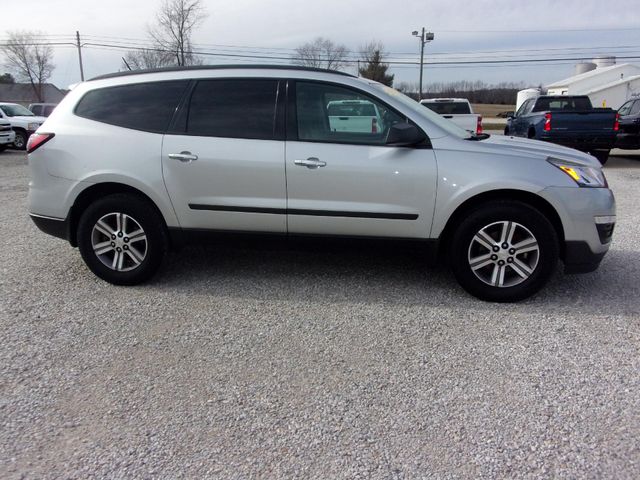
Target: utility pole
{"type": "Point", "coordinates": [424, 37]}
{"type": "Point", "coordinates": [79, 55]}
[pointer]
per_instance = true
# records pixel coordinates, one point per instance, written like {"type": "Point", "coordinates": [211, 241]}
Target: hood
{"type": "Point", "coordinates": [33, 119]}
{"type": "Point", "coordinates": [536, 148]}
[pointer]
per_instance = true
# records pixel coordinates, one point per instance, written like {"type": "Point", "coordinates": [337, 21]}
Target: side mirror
{"type": "Point", "coordinates": [405, 135]}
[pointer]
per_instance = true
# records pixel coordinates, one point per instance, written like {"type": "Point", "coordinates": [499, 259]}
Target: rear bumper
{"type": "Point", "coordinates": [584, 143]}
{"type": "Point", "coordinates": [52, 226]}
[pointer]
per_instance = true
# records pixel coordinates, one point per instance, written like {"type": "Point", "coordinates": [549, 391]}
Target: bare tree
{"type": "Point", "coordinates": [372, 54]}
{"type": "Point", "coordinates": [148, 58]}
{"type": "Point", "coordinates": [175, 23]}
{"type": "Point", "coordinates": [29, 59]}
{"type": "Point", "coordinates": [321, 53]}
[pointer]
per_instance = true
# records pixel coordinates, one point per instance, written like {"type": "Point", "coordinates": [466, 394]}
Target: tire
{"type": "Point", "coordinates": [506, 131]}
{"type": "Point", "coordinates": [601, 155]}
{"type": "Point", "coordinates": [2, 148]}
{"type": "Point", "coordinates": [20, 143]}
{"type": "Point", "coordinates": [535, 263]}
{"type": "Point", "coordinates": [531, 134]}
{"type": "Point", "coordinates": [106, 226]}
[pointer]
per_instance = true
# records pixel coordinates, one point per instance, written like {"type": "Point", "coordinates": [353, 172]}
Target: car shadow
{"type": "Point", "coordinates": [378, 273]}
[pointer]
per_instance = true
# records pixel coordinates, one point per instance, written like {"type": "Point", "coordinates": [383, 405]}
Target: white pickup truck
{"type": "Point", "coordinates": [23, 122]}
{"type": "Point", "coordinates": [355, 116]}
{"type": "Point", "coordinates": [458, 110]}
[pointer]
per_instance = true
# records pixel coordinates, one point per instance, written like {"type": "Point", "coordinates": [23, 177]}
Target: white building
{"type": "Point", "coordinates": [606, 83]}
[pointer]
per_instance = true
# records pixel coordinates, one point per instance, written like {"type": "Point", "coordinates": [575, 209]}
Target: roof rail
{"type": "Point", "coordinates": [218, 67]}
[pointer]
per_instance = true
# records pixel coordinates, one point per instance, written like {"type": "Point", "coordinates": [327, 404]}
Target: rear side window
{"type": "Point", "coordinates": [448, 108]}
{"type": "Point", "coordinates": [141, 106]}
{"type": "Point", "coordinates": [233, 109]}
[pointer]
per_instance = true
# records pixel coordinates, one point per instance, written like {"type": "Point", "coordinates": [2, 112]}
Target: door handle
{"type": "Point", "coordinates": [186, 157]}
{"type": "Point", "coordinates": [311, 162]}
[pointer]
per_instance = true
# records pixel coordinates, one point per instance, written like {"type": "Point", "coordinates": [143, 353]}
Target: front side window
{"type": "Point", "coordinates": [522, 108]}
{"type": "Point", "coordinates": [141, 106]}
{"type": "Point", "coordinates": [329, 113]}
{"type": "Point", "coordinates": [234, 108]}
{"type": "Point", "coordinates": [626, 108]}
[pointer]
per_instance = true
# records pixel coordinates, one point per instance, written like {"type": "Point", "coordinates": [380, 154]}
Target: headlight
{"type": "Point", "coordinates": [582, 175]}
{"type": "Point", "coordinates": [33, 127]}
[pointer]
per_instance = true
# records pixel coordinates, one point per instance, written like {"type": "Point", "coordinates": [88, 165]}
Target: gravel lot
{"type": "Point", "coordinates": [312, 362]}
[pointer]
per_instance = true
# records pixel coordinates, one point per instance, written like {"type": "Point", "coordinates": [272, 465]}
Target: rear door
{"type": "Point", "coordinates": [351, 183]}
{"type": "Point", "coordinates": [223, 160]}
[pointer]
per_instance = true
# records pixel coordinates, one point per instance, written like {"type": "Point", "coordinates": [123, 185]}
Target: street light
{"type": "Point", "coordinates": [424, 37]}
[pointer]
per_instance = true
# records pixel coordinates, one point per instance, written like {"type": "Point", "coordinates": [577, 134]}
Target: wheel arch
{"type": "Point", "coordinates": [94, 192]}
{"type": "Point", "coordinates": [523, 196]}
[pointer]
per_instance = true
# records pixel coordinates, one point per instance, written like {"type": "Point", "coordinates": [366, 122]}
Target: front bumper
{"type": "Point", "coordinates": [7, 137]}
{"type": "Point", "coordinates": [588, 221]}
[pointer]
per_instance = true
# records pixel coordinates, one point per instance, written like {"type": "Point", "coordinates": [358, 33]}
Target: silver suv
{"type": "Point", "coordinates": [130, 164]}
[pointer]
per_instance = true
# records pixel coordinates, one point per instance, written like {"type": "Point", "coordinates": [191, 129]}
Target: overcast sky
{"type": "Point", "coordinates": [464, 30]}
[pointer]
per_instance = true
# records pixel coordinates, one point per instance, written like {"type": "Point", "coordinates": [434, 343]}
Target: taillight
{"type": "Point", "coordinates": [616, 123]}
{"type": "Point", "coordinates": [479, 125]}
{"type": "Point", "coordinates": [36, 140]}
{"type": "Point", "coordinates": [374, 125]}
{"type": "Point", "coordinates": [547, 122]}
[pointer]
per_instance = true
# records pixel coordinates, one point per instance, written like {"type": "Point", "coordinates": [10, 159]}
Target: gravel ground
{"type": "Point", "coordinates": [312, 362]}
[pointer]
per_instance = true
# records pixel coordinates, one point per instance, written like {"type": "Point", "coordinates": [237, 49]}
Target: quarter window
{"type": "Point", "coordinates": [234, 109]}
{"type": "Point", "coordinates": [328, 113]}
{"type": "Point", "coordinates": [141, 106]}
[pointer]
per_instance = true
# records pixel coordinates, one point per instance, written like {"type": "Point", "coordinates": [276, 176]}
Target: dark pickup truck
{"type": "Point", "coordinates": [567, 120]}
{"type": "Point", "coordinates": [629, 133]}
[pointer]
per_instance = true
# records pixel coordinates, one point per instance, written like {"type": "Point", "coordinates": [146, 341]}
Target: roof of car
{"type": "Point", "coordinates": [219, 67]}
{"type": "Point", "coordinates": [438, 100]}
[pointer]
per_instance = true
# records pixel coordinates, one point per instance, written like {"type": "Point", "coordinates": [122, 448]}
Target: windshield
{"type": "Point", "coordinates": [16, 110]}
{"type": "Point", "coordinates": [419, 109]}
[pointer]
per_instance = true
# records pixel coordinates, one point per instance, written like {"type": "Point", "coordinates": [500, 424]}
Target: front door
{"type": "Point", "coordinates": [224, 165]}
{"type": "Point", "coordinates": [346, 181]}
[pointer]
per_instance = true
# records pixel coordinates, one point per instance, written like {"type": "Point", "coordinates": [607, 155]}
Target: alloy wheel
{"type": "Point", "coordinates": [503, 254]}
{"type": "Point", "coordinates": [119, 241]}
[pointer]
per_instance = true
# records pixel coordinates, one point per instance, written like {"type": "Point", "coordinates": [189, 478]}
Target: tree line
{"type": "Point", "coordinates": [503, 93]}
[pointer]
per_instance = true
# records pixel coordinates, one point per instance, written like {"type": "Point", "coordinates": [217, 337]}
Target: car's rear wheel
{"type": "Point", "coordinates": [122, 239]}
{"type": "Point", "coordinates": [2, 148]}
{"type": "Point", "coordinates": [504, 251]}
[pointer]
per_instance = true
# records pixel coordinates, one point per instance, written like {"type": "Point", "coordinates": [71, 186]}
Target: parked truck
{"type": "Point", "coordinates": [457, 110]}
{"type": "Point", "coordinates": [629, 133]}
{"type": "Point", "coordinates": [23, 122]}
{"type": "Point", "coordinates": [568, 120]}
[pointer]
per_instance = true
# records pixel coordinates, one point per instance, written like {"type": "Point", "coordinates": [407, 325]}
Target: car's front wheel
{"type": "Point", "coordinates": [504, 251]}
{"type": "Point", "coordinates": [20, 142]}
{"type": "Point", "coordinates": [122, 239]}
